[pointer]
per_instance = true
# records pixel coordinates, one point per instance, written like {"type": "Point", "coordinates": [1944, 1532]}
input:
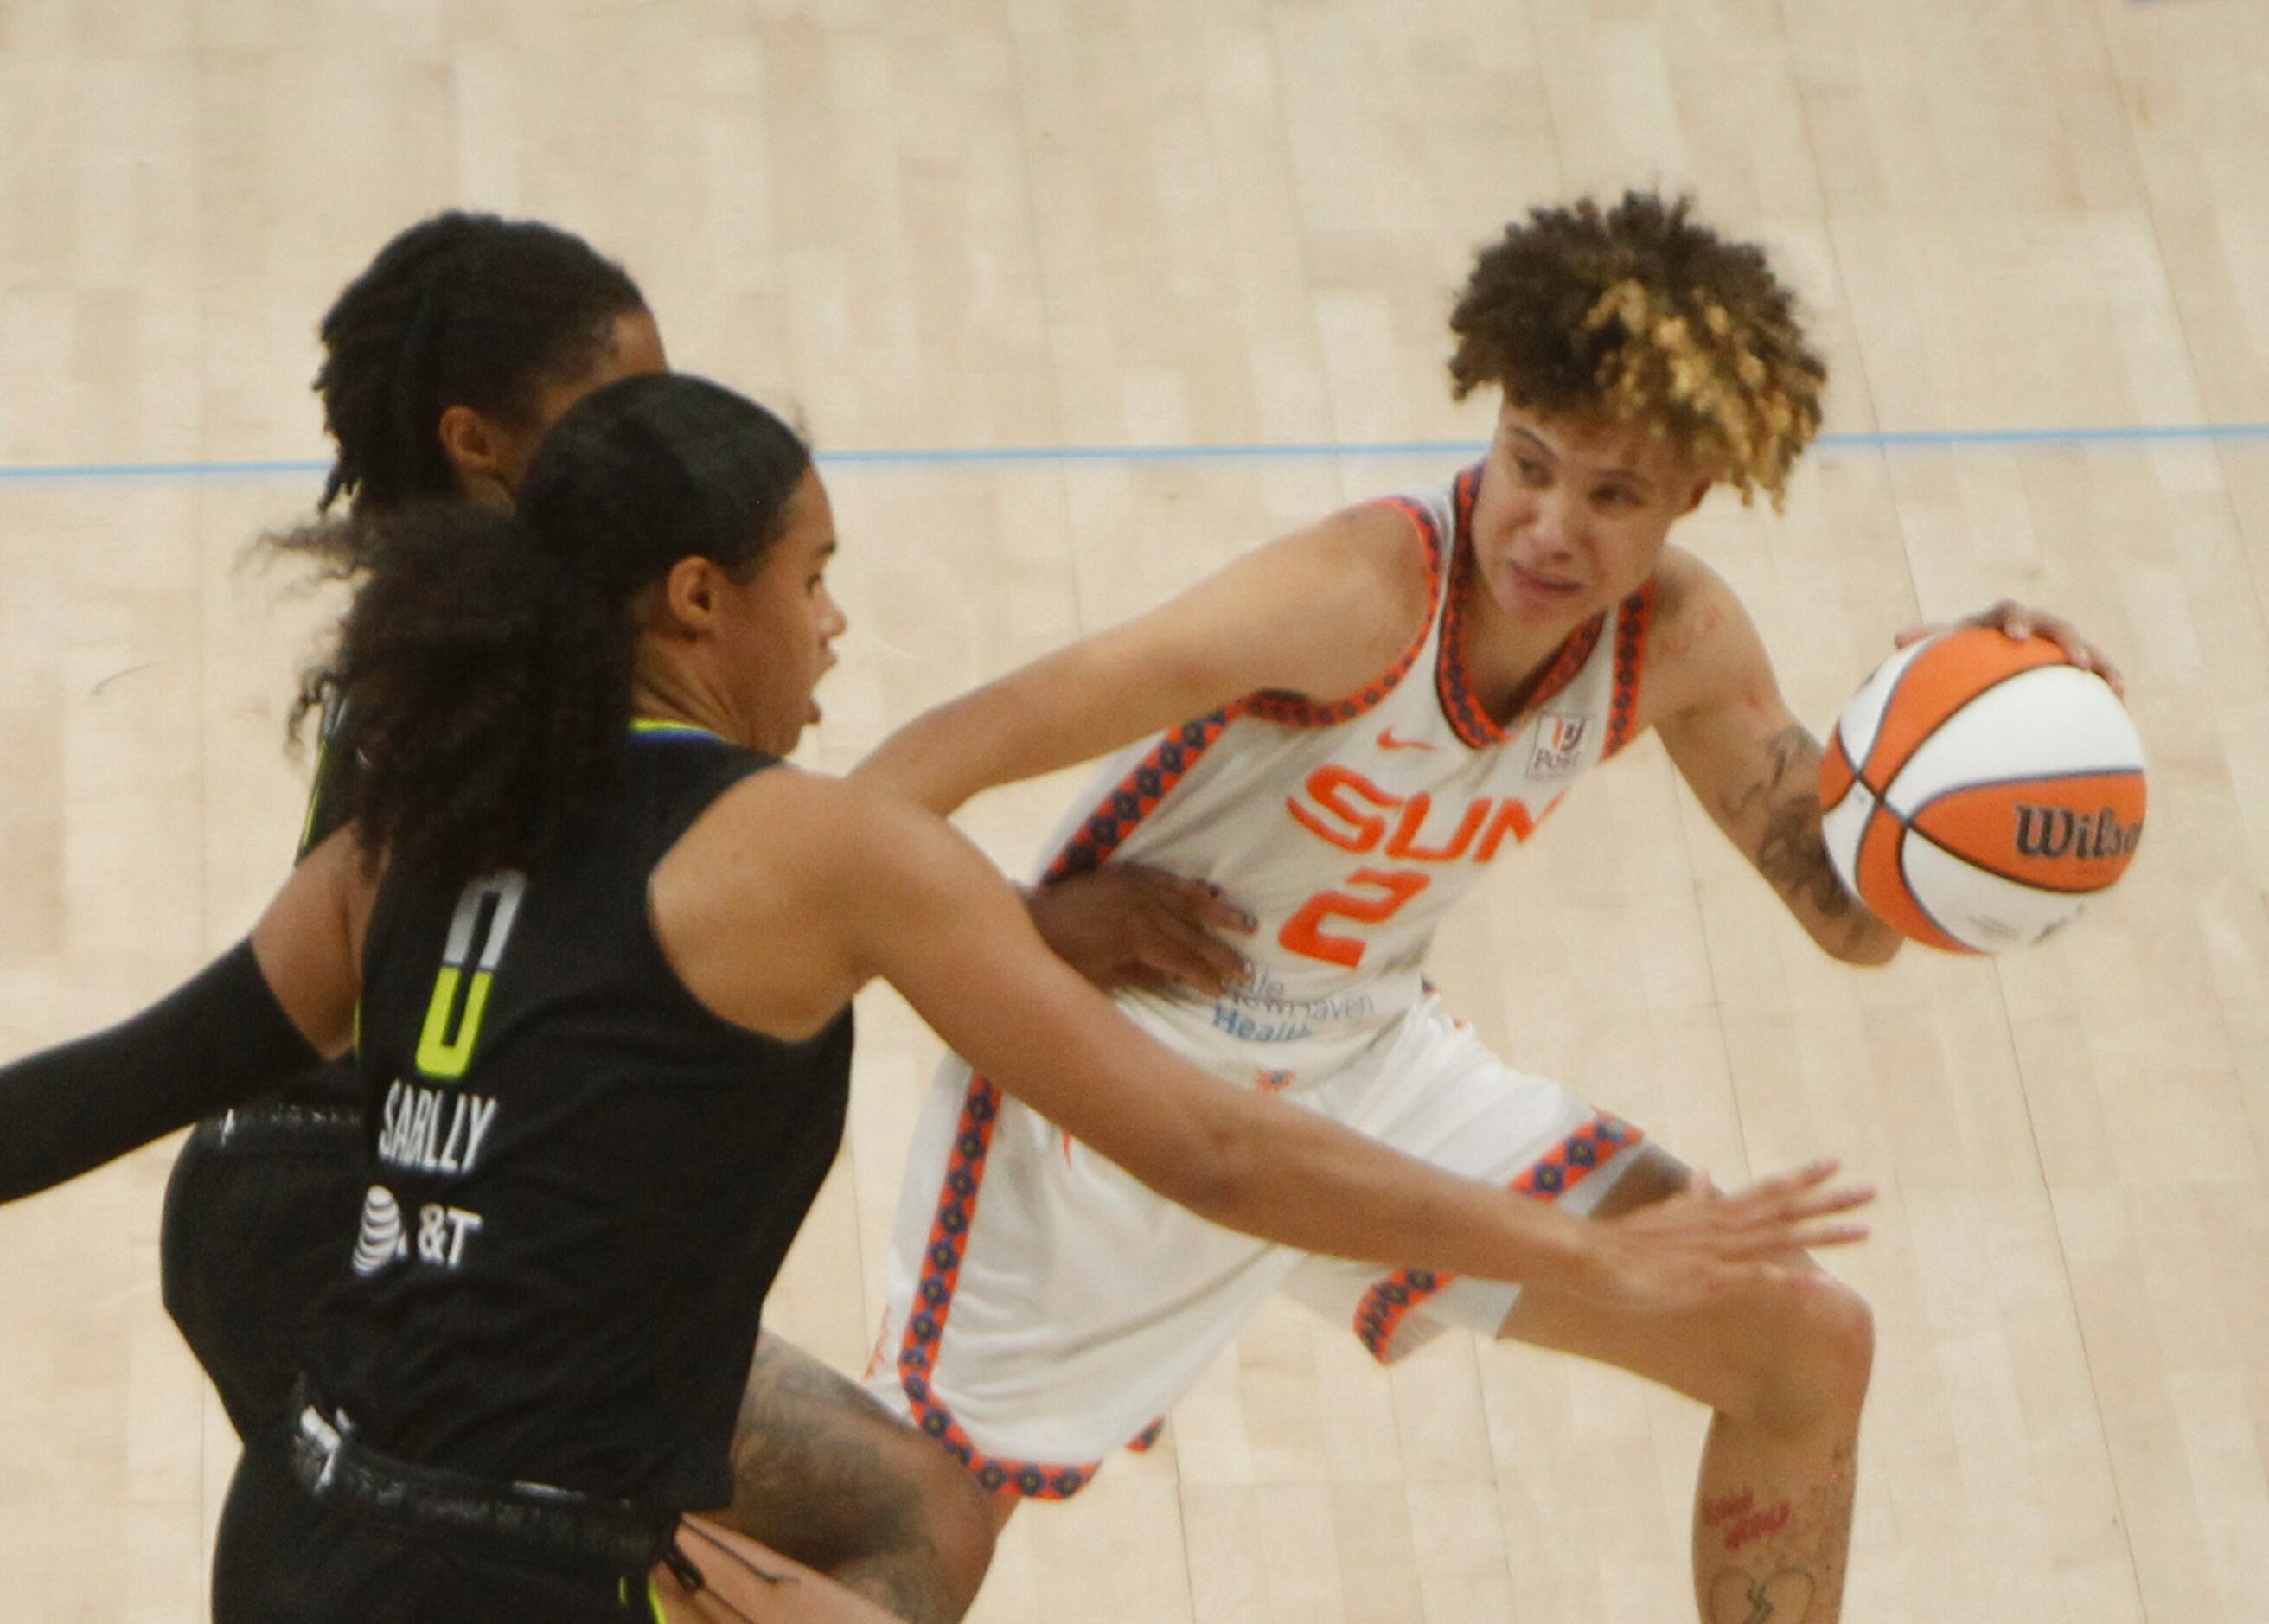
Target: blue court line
{"type": "Point", "coordinates": [1894, 439]}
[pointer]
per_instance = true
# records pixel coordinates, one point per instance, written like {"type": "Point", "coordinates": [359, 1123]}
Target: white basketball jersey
{"type": "Point", "coordinates": [1348, 830]}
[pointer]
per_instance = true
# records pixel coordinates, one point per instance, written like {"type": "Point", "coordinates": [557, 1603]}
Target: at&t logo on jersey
{"type": "Point", "coordinates": [1559, 751]}
{"type": "Point", "coordinates": [439, 1241]}
{"type": "Point", "coordinates": [380, 1242]}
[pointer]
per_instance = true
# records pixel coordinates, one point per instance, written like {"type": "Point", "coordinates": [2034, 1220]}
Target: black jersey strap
{"type": "Point", "coordinates": [217, 1040]}
{"type": "Point", "coordinates": [331, 799]}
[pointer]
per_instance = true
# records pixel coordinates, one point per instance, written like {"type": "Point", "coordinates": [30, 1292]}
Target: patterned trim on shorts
{"type": "Point", "coordinates": [932, 1305]}
{"type": "Point", "coordinates": [1560, 1169]}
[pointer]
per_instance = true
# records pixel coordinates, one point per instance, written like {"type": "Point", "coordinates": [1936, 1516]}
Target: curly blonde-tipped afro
{"type": "Point", "coordinates": [1637, 314]}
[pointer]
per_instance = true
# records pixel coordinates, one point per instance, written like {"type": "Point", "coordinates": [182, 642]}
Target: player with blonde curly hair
{"type": "Point", "coordinates": [1325, 745]}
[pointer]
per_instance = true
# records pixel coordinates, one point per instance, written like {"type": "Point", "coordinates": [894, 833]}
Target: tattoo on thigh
{"type": "Point", "coordinates": [814, 1479]}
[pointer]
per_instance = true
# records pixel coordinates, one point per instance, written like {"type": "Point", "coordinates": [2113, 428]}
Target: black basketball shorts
{"type": "Point", "coordinates": [260, 1219]}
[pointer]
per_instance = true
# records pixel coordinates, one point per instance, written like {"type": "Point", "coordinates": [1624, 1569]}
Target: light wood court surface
{"type": "Point", "coordinates": [1100, 223]}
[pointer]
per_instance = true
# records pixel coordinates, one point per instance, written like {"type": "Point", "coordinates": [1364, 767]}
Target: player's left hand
{"type": "Point", "coordinates": [1125, 924]}
{"type": "Point", "coordinates": [2012, 619]}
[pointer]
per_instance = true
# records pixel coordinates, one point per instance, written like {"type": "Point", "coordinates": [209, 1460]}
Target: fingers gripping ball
{"type": "Point", "coordinates": [1978, 789]}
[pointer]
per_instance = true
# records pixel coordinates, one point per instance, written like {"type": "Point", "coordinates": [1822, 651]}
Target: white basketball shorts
{"type": "Point", "coordinates": [1046, 1309]}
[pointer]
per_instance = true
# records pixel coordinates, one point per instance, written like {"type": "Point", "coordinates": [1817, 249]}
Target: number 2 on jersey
{"type": "Point", "coordinates": [1303, 932]}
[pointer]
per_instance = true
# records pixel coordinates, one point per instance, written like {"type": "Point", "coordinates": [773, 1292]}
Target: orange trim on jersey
{"type": "Point", "coordinates": [1138, 794]}
{"type": "Point", "coordinates": [1560, 1169]}
{"type": "Point", "coordinates": [1632, 617]}
{"type": "Point", "coordinates": [1293, 710]}
{"type": "Point", "coordinates": [1462, 707]}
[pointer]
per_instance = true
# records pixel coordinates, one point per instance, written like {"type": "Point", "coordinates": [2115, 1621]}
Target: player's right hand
{"type": "Point", "coordinates": [1700, 1246]}
{"type": "Point", "coordinates": [1127, 925]}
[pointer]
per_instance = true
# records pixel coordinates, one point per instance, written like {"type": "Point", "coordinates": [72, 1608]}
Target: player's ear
{"type": "Point", "coordinates": [689, 591]}
{"type": "Point", "coordinates": [483, 454]}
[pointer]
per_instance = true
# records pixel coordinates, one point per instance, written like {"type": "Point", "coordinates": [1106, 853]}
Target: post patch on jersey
{"type": "Point", "coordinates": [1559, 750]}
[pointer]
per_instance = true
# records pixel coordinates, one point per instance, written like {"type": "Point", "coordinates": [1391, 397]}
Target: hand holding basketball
{"type": "Point", "coordinates": [1981, 784]}
{"type": "Point", "coordinates": [2012, 619]}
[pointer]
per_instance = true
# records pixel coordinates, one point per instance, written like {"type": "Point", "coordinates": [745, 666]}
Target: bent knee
{"type": "Point", "coordinates": [963, 1522]}
{"type": "Point", "coordinates": [1820, 1353]}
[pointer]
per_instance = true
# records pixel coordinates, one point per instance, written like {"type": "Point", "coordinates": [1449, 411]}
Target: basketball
{"type": "Point", "coordinates": [1979, 788]}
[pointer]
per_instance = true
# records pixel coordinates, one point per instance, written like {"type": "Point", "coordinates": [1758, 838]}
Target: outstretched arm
{"type": "Point", "coordinates": [927, 913]}
{"type": "Point", "coordinates": [260, 1013]}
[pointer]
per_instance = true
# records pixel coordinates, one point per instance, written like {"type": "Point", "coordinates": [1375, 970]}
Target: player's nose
{"type": "Point", "coordinates": [1558, 527]}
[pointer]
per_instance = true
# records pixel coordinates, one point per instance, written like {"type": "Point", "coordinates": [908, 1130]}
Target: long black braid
{"type": "Point", "coordinates": [460, 309]}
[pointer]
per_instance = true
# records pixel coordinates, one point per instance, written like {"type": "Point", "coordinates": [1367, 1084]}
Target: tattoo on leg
{"type": "Point", "coordinates": [814, 1478]}
{"type": "Point", "coordinates": [1797, 1555]}
{"type": "Point", "coordinates": [1781, 1598]}
{"type": "Point", "coordinates": [1742, 1519]}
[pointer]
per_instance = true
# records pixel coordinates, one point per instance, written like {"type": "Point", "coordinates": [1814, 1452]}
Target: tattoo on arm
{"type": "Point", "coordinates": [1791, 854]}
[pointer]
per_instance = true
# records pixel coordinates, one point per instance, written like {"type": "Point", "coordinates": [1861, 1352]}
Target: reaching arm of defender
{"type": "Point", "coordinates": [248, 1022]}
{"type": "Point", "coordinates": [1755, 767]}
{"type": "Point", "coordinates": [1318, 613]}
{"type": "Point", "coordinates": [926, 911]}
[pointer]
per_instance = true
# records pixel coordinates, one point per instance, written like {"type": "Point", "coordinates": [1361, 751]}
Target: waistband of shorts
{"type": "Point", "coordinates": [609, 1537]}
{"type": "Point", "coordinates": [278, 1122]}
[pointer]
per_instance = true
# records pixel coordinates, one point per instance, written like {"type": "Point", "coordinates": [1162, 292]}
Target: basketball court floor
{"type": "Point", "coordinates": [1075, 296]}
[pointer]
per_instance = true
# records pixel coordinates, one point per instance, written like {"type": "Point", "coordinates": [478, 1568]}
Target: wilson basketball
{"type": "Point", "coordinates": [1978, 789]}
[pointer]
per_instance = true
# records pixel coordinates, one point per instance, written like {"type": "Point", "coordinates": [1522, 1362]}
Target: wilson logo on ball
{"type": "Point", "coordinates": [2058, 831]}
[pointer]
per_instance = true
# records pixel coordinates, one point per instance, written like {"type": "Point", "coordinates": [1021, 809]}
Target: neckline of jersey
{"type": "Point", "coordinates": [1460, 700]}
{"type": "Point", "coordinates": [656, 727]}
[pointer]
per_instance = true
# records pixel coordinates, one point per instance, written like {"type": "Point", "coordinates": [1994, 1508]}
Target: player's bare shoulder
{"type": "Point", "coordinates": [1365, 573]}
{"type": "Point", "coordinates": [1701, 646]}
{"type": "Point", "coordinates": [755, 905]}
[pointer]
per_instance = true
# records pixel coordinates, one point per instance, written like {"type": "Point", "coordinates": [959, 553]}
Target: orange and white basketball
{"type": "Point", "coordinates": [1978, 788]}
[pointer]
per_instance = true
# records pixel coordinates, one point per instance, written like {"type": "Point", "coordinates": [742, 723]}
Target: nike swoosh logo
{"type": "Point", "coordinates": [1388, 741]}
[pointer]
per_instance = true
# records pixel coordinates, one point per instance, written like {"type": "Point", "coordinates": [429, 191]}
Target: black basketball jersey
{"type": "Point", "coordinates": [330, 797]}
{"type": "Point", "coordinates": [332, 1084]}
{"type": "Point", "coordinates": [583, 1180]}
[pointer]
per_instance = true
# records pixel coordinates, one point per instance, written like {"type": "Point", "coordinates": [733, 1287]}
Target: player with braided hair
{"type": "Point", "coordinates": [444, 362]}
{"type": "Point", "coordinates": [1323, 746]}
